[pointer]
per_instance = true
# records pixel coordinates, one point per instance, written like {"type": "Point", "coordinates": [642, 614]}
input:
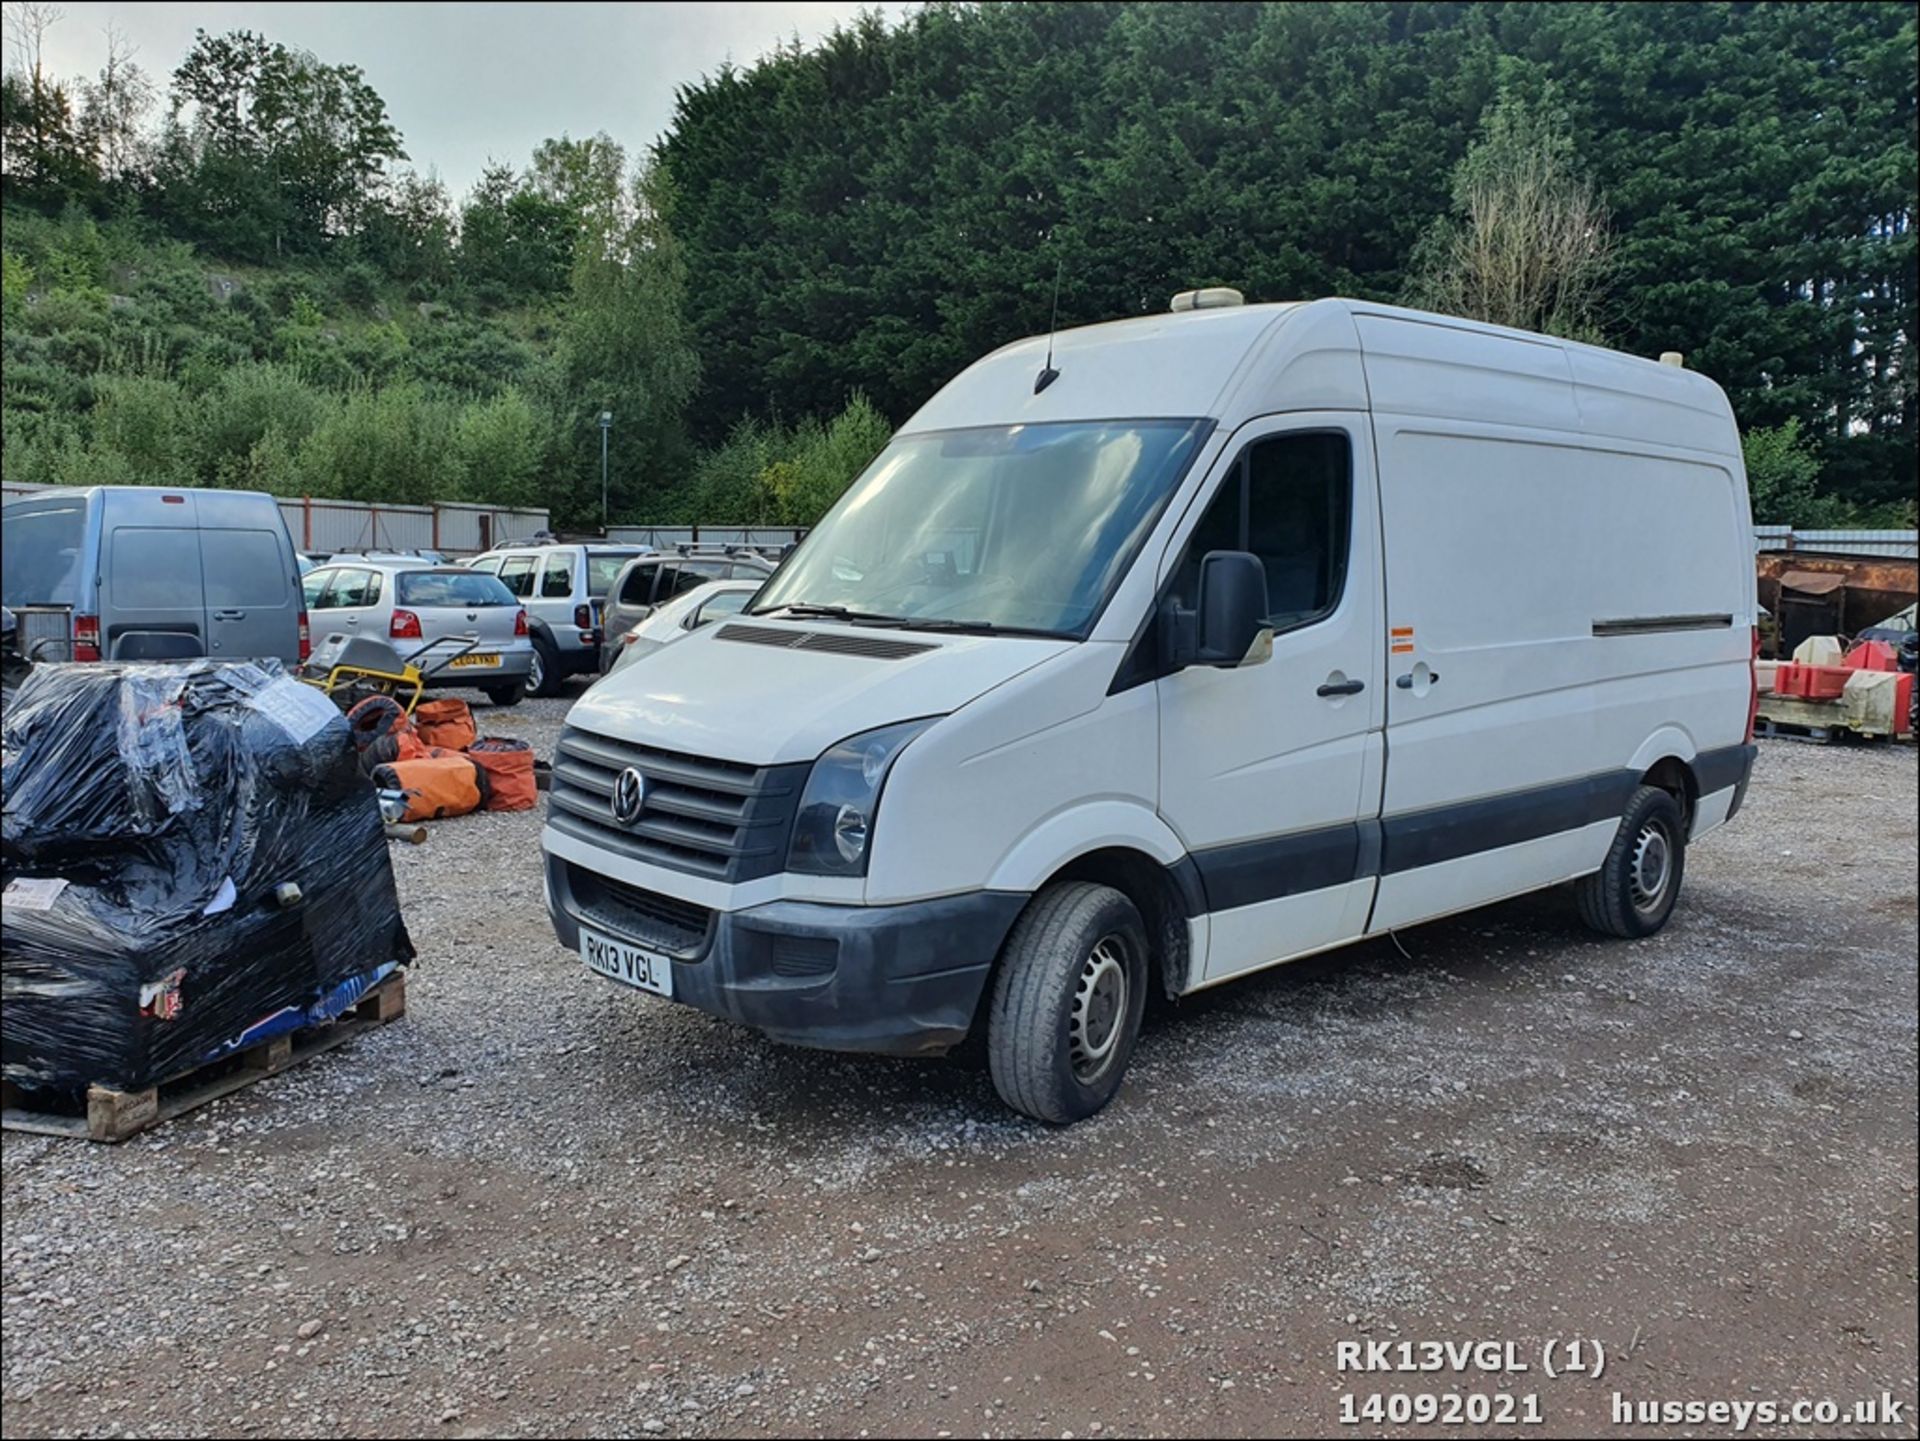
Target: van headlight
{"type": "Point", "coordinates": [835, 822]}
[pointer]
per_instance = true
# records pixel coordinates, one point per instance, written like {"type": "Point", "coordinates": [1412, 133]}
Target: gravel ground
{"type": "Point", "coordinates": [546, 1205]}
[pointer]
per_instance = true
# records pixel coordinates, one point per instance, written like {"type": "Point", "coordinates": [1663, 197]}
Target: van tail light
{"type": "Point", "coordinates": [86, 637]}
{"type": "Point", "coordinates": [306, 639]}
{"type": "Point", "coordinates": [1753, 680]}
{"type": "Point", "coordinates": [520, 622]}
{"type": "Point", "coordinates": [405, 625]}
{"type": "Point", "coordinates": [583, 616]}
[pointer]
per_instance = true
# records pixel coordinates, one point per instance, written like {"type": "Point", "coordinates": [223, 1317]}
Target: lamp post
{"type": "Point", "coordinates": [606, 424]}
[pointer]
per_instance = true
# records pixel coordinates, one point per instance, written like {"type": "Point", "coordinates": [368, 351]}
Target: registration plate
{"type": "Point", "coordinates": [486, 659]}
{"type": "Point", "coordinates": [629, 964]}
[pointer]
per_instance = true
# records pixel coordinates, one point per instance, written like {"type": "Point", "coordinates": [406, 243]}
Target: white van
{"type": "Point", "coordinates": [1167, 651]}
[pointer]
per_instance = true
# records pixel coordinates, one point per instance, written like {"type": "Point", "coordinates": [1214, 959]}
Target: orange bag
{"type": "Point", "coordinates": [382, 733]}
{"type": "Point", "coordinates": [436, 786]}
{"type": "Point", "coordinates": [508, 765]}
{"type": "Point", "coordinates": [446, 723]}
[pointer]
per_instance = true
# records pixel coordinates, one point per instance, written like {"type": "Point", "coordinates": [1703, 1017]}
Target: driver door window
{"type": "Point", "coordinates": [1288, 500]}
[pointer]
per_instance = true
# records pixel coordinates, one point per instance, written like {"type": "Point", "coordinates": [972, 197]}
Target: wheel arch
{"type": "Point", "coordinates": [1130, 849]}
{"type": "Point", "coordinates": [1666, 761]}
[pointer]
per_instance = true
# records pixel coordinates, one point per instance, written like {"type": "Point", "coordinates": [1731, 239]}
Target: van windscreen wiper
{"type": "Point", "coordinates": [827, 612]}
{"type": "Point", "coordinates": [965, 627]}
{"type": "Point", "coordinates": [904, 622]}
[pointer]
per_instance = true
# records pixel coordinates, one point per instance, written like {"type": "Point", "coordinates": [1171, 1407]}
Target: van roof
{"type": "Point", "coordinates": [66, 492]}
{"type": "Point", "coordinates": [1232, 363]}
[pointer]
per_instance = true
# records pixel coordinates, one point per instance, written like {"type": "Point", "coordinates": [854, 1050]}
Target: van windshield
{"type": "Point", "coordinates": [1025, 528]}
{"type": "Point", "coordinates": [40, 553]}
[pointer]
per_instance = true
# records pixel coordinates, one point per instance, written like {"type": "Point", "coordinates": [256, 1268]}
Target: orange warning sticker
{"type": "Point", "coordinates": [1400, 640]}
{"type": "Point", "coordinates": [1401, 649]}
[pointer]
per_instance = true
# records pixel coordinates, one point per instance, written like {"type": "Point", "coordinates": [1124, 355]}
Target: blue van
{"type": "Point", "coordinates": [154, 574]}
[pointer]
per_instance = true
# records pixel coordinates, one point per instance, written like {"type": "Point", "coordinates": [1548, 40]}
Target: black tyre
{"type": "Point", "coordinates": [1067, 999]}
{"type": "Point", "coordinates": [1635, 889]}
{"type": "Point", "coordinates": [544, 677]}
{"type": "Point", "coordinates": [506, 694]}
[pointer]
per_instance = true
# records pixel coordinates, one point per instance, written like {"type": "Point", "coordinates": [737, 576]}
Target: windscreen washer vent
{"type": "Point", "coordinates": [873, 647]}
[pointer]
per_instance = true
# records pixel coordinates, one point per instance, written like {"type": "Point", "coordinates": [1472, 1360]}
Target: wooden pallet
{"type": "Point", "coordinates": [1766, 728]}
{"type": "Point", "coordinates": [114, 1116]}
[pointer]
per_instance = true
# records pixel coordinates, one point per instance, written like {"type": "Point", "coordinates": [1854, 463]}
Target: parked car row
{"type": "Point", "coordinates": [145, 573]}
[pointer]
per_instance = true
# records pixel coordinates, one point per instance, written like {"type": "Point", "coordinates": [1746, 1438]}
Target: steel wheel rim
{"type": "Point", "coordinates": [1099, 1010]}
{"type": "Point", "coordinates": [1650, 875]}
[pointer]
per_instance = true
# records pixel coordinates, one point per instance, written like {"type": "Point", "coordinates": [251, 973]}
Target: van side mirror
{"type": "Point", "coordinates": [1233, 609]}
{"type": "Point", "coordinates": [1229, 626]}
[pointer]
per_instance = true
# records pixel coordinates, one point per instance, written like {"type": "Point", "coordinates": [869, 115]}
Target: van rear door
{"type": "Point", "coordinates": [252, 597]}
{"type": "Point", "coordinates": [252, 579]}
{"type": "Point", "coordinates": [152, 600]}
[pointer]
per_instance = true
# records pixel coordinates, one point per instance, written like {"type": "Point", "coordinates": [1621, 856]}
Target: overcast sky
{"type": "Point", "coordinates": [465, 82]}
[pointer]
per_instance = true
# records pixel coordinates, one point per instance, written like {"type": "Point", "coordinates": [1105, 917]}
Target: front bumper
{"type": "Point", "coordinates": [892, 980]}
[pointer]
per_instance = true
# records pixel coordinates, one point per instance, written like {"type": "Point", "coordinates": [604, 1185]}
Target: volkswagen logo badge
{"type": "Point", "coordinates": [629, 796]}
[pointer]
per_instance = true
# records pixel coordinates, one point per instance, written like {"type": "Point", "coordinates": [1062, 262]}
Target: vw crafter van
{"type": "Point", "coordinates": [1167, 651]}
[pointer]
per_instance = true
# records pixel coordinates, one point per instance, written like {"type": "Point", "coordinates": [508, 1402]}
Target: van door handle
{"type": "Point", "coordinates": [1345, 687]}
{"type": "Point", "coordinates": [229, 615]}
{"type": "Point", "coordinates": [1405, 682]}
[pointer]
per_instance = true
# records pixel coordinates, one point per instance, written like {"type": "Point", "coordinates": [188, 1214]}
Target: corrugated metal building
{"type": "Point", "coordinates": [665, 537]}
{"type": "Point", "coordinates": [1895, 543]}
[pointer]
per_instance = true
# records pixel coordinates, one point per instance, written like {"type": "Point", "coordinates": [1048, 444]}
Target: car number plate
{"type": "Point", "coordinates": [629, 964]}
{"type": "Point", "coordinates": [487, 659]}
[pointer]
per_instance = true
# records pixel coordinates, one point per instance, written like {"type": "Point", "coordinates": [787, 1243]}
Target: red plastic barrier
{"type": "Point", "coordinates": [1872, 655]}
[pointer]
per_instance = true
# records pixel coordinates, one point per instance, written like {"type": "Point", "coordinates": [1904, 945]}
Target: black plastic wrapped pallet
{"type": "Point", "coordinates": [155, 822]}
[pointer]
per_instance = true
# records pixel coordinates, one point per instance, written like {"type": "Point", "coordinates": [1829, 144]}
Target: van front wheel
{"type": "Point", "coordinates": [1067, 1001]}
{"type": "Point", "coordinates": [1635, 889]}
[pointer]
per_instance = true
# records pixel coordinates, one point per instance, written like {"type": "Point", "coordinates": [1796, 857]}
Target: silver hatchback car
{"type": "Point", "coordinates": [411, 605]}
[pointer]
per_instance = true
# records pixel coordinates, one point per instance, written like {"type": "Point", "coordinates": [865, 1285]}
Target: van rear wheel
{"type": "Point", "coordinates": [1067, 1000]}
{"type": "Point", "coordinates": [1636, 887]}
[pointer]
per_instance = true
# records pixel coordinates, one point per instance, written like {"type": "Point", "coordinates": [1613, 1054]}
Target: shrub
{"type": "Point", "coordinates": [248, 403]}
{"type": "Point", "coordinates": [357, 284]}
{"type": "Point", "coordinates": [141, 420]}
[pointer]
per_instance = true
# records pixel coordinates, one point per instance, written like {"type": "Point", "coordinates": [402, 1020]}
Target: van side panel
{"type": "Point", "coordinates": [1555, 600]}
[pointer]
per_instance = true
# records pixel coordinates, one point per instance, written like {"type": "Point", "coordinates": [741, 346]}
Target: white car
{"type": "Point", "coordinates": [1163, 651]}
{"type": "Point", "coordinates": [686, 612]}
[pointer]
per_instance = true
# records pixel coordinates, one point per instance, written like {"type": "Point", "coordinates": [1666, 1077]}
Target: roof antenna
{"type": "Point", "coordinates": [1048, 374]}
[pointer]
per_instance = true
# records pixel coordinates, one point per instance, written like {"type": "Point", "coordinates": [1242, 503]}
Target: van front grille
{"type": "Point", "coordinates": [715, 818]}
{"type": "Point", "coordinates": [633, 913]}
